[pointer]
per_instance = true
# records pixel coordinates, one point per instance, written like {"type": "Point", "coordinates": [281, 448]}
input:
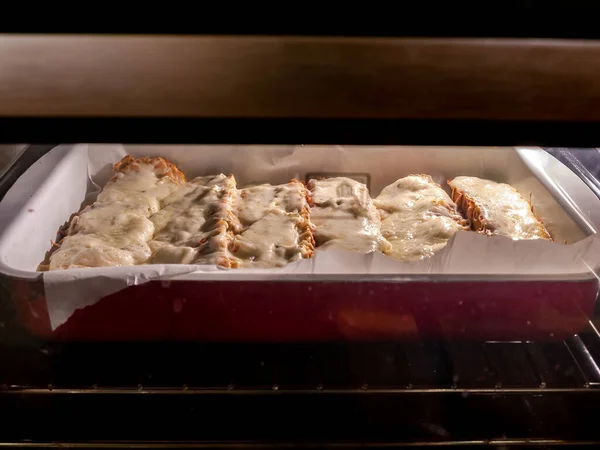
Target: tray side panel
{"type": "Point", "coordinates": [222, 311]}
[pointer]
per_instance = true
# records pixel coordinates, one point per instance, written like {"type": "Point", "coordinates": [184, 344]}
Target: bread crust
{"type": "Point", "coordinates": [472, 212]}
{"type": "Point", "coordinates": [162, 166]}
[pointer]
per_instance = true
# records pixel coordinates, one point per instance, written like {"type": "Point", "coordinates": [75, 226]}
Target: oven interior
{"type": "Point", "coordinates": [428, 392]}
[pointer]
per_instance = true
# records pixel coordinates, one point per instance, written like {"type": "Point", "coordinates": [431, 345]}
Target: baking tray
{"type": "Point", "coordinates": [522, 291]}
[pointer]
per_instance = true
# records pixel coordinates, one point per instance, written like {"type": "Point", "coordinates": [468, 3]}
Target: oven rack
{"type": "Point", "coordinates": [370, 368]}
{"type": "Point", "coordinates": [391, 394]}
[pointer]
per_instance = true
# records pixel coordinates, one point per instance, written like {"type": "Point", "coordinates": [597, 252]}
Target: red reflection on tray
{"type": "Point", "coordinates": [328, 311]}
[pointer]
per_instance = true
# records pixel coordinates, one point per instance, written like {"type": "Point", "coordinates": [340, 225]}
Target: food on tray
{"type": "Point", "coordinates": [418, 217]}
{"type": "Point", "coordinates": [274, 225]}
{"type": "Point", "coordinates": [496, 208]}
{"type": "Point", "coordinates": [148, 214]}
{"type": "Point", "coordinates": [115, 230]}
{"type": "Point", "coordinates": [344, 216]}
{"type": "Point", "coordinates": [196, 223]}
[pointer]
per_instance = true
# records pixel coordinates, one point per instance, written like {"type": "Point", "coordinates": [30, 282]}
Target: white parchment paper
{"type": "Point", "coordinates": [70, 176]}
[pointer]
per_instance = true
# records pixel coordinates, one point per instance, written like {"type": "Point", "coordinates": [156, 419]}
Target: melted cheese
{"type": "Point", "coordinates": [275, 229]}
{"type": "Point", "coordinates": [115, 230]}
{"type": "Point", "coordinates": [92, 251]}
{"type": "Point", "coordinates": [501, 209]}
{"type": "Point", "coordinates": [418, 217]}
{"type": "Point", "coordinates": [194, 224]}
{"type": "Point", "coordinates": [271, 241]}
{"type": "Point", "coordinates": [345, 217]}
{"type": "Point", "coordinates": [256, 201]}
{"type": "Point", "coordinates": [140, 189]}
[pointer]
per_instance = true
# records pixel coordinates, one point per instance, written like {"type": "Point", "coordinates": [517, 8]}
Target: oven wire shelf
{"type": "Point", "coordinates": [390, 394]}
{"type": "Point", "coordinates": [306, 369]}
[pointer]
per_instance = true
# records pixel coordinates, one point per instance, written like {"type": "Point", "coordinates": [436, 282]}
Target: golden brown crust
{"type": "Point", "coordinates": [306, 238]}
{"type": "Point", "coordinates": [228, 224]}
{"type": "Point", "coordinates": [163, 167]}
{"type": "Point", "coordinates": [473, 213]}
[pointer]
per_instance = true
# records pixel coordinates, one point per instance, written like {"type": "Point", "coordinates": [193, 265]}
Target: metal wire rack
{"type": "Point", "coordinates": [399, 368]}
{"type": "Point", "coordinates": [422, 393]}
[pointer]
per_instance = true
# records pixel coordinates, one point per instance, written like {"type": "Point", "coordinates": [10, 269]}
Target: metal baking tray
{"type": "Point", "coordinates": [525, 304]}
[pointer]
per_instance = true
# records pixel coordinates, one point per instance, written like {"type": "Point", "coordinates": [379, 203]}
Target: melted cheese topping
{"type": "Point", "coordinates": [194, 224]}
{"type": "Point", "coordinates": [499, 207]}
{"type": "Point", "coordinates": [345, 217]}
{"type": "Point", "coordinates": [275, 226]}
{"type": "Point", "coordinates": [271, 241]}
{"type": "Point", "coordinates": [115, 230]}
{"type": "Point", "coordinates": [418, 217]}
{"type": "Point", "coordinates": [145, 215]}
{"type": "Point", "coordinates": [256, 201]}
